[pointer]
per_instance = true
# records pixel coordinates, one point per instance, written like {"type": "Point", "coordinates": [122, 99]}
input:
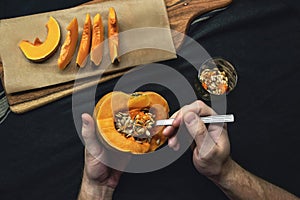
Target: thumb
{"type": "Point", "coordinates": [195, 127]}
{"type": "Point", "coordinates": [92, 146]}
{"type": "Point", "coordinates": [199, 132]}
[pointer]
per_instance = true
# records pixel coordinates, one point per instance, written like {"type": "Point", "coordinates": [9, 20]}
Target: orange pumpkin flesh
{"type": "Point", "coordinates": [40, 51]}
{"type": "Point", "coordinates": [113, 37]}
{"type": "Point", "coordinates": [85, 42]}
{"type": "Point", "coordinates": [69, 46]}
{"type": "Point", "coordinates": [97, 40]}
{"type": "Point", "coordinates": [105, 116]}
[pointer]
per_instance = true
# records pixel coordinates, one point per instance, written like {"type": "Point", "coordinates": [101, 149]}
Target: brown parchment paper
{"type": "Point", "coordinates": [145, 37]}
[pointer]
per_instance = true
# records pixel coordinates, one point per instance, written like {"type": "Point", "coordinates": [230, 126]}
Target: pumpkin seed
{"type": "Point", "coordinates": [147, 133]}
{"type": "Point", "coordinates": [137, 127]}
{"type": "Point", "coordinates": [141, 131]}
{"type": "Point", "coordinates": [128, 135]}
{"type": "Point", "coordinates": [157, 141]}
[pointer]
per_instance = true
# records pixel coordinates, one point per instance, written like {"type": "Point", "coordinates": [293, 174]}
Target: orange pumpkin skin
{"type": "Point", "coordinates": [114, 102]}
{"type": "Point", "coordinates": [113, 35]}
{"type": "Point", "coordinates": [85, 42]}
{"type": "Point", "coordinates": [40, 51]}
{"type": "Point", "coordinates": [97, 40]}
{"type": "Point", "coordinates": [69, 46]}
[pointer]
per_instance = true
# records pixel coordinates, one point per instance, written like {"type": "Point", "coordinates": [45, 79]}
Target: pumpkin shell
{"type": "Point", "coordinates": [97, 40]}
{"type": "Point", "coordinates": [113, 35]}
{"type": "Point", "coordinates": [85, 42]}
{"type": "Point", "coordinates": [69, 46]}
{"type": "Point", "coordinates": [117, 101]}
{"type": "Point", "coordinates": [40, 51]}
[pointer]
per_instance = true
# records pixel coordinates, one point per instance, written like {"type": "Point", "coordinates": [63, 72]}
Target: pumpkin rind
{"type": "Point", "coordinates": [117, 101]}
{"type": "Point", "coordinates": [113, 35]}
{"type": "Point", "coordinates": [97, 40]}
{"type": "Point", "coordinates": [40, 51]}
{"type": "Point", "coordinates": [85, 42]}
{"type": "Point", "coordinates": [69, 46]}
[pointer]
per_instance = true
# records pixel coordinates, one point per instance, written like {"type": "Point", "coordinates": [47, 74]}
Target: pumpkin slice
{"type": "Point", "coordinates": [40, 51]}
{"type": "Point", "coordinates": [113, 35]}
{"type": "Point", "coordinates": [69, 46]}
{"type": "Point", "coordinates": [137, 101]}
{"type": "Point", "coordinates": [97, 40]}
{"type": "Point", "coordinates": [85, 42]}
{"type": "Point", "coordinates": [116, 106]}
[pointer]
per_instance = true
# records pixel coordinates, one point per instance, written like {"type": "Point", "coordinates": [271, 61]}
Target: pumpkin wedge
{"type": "Point", "coordinates": [121, 120]}
{"type": "Point", "coordinates": [40, 51]}
{"type": "Point", "coordinates": [113, 35]}
{"type": "Point", "coordinates": [96, 53]}
{"type": "Point", "coordinates": [85, 42]}
{"type": "Point", "coordinates": [69, 46]}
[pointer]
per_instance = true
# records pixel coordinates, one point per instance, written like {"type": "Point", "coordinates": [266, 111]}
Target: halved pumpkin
{"type": "Point", "coordinates": [69, 46]}
{"type": "Point", "coordinates": [40, 51]}
{"type": "Point", "coordinates": [114, 103]}
{"type": "Point", "coordinates": [85, 42]}
{"type": "Point", "coordinates": [97, 40]}
{"type": "Point", "coordinates": [113, 35]}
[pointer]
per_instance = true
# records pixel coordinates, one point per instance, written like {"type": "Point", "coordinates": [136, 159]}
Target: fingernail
{"type": "Point", "coordinates": [189, 118]}
{"type": "Point", "coordinates": [84, 121]}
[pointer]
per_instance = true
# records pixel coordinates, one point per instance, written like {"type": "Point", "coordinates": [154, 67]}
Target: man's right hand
{"type": "Point", "coordinates": [212, 149]}
{"type": "Point", "coordinates": [211, 157]}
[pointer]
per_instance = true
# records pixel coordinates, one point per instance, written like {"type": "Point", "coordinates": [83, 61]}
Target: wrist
{"type": "Point", "coordinates": [92, 190]}
{"type": "Point", "coordinates": [227, 170]}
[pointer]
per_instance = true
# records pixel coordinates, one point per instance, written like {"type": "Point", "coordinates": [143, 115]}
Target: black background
{"type": "Point", "coordinates": [41, 155]}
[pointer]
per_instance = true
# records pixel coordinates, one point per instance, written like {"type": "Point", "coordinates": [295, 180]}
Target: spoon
{"type": "Point", "coordinates": [206, 120]}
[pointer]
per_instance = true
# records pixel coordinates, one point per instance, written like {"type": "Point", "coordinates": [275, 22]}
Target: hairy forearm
{"type": "Point", "coordinates": [92, 191]}
{"type": "Point", "coordinates": [239, 184]}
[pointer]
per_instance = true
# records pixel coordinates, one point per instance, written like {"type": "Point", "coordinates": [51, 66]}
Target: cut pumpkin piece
{"type": "Point", "coordinates": [85, 42]}
{"type": "Point", "coordinates": [113, 35]}
{"type": "Point", "coordinates": [134, 111]}
{"type": "Point", "coordinates": [97, 40]}
{"type": "Point", "coordinates": [40, 51]}
{"type": "Point", "coordinates": [69, 46]}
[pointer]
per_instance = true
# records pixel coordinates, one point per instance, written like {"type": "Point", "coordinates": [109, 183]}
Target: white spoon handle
{"type": "Point", "coordinates": [208, 119]}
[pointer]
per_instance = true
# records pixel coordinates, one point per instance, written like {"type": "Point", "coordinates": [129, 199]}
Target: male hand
{"type": "Point", "coordinates": [98, 180]}
{"type": "Point", "coordinates": [212, 149]}
{"type": "Point", "coordinates": [211, 157]}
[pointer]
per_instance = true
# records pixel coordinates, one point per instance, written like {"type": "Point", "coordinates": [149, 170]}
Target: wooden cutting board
{"type": "Point", "coordinates": [180, 12]}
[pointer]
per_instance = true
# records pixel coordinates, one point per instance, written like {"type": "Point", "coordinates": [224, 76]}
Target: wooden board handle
{"type": "Point", "coordinates": [181, 13]}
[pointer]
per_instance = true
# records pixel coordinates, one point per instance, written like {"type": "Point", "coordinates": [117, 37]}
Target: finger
{"type": "Point", "coordinates": [215, 130]}
{"type": "Point", "coordinates": [195, 127]}
{"type": "Point", "coordinates": [218, 134]}
{"type": "Point", "coordinates": [173, 143]}
{"type": "Point", "coordinates": [198, 107]}
{"type": "Point", "coordinates": [92, 146]}
{"type": "Point", "coordinates": [169, 131]}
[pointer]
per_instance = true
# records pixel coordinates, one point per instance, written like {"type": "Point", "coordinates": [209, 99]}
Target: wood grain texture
{"type": "Point", "coordinates": [180, 13]}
